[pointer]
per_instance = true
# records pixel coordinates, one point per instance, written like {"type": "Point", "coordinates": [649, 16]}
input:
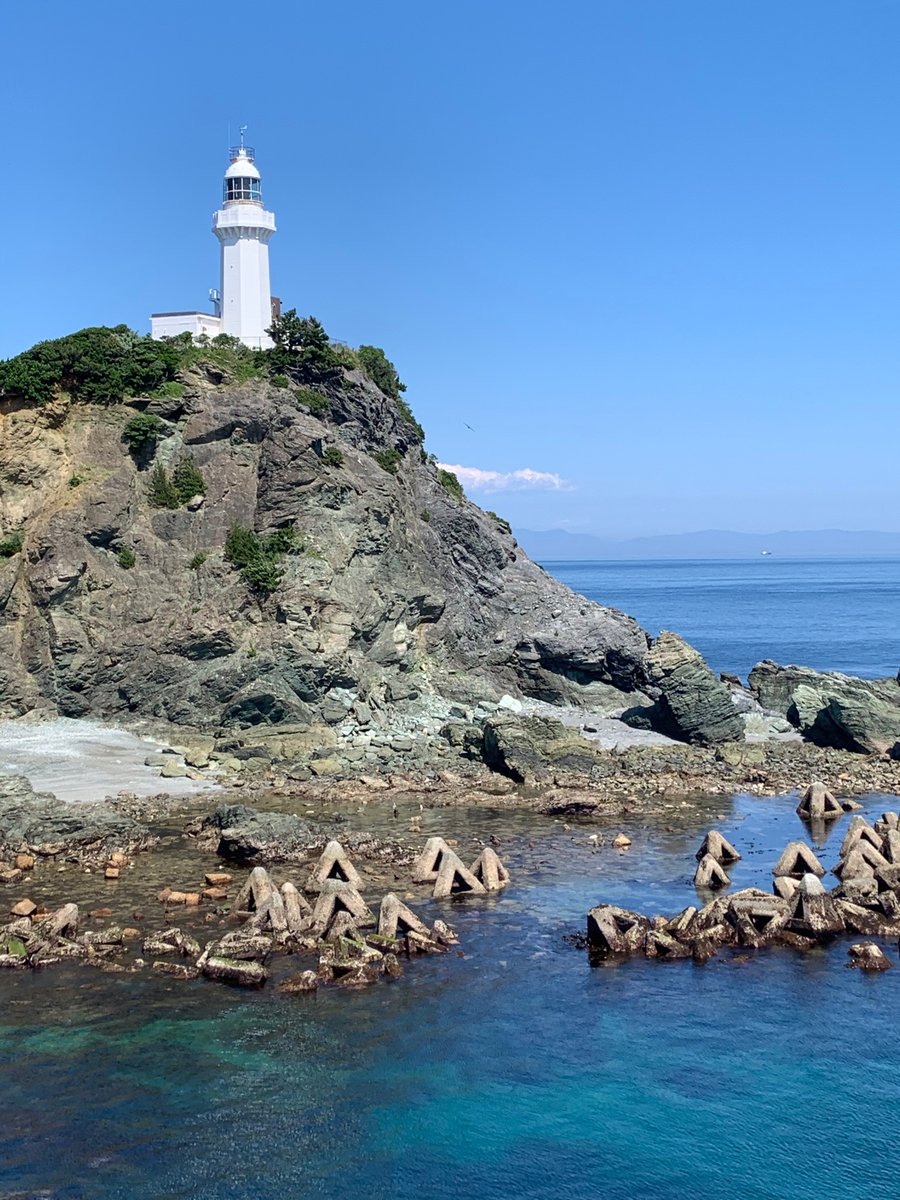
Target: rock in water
{"type": "Point", "coordinates": [248, 836]}
{"type": "Point", "coordinates": [831, 709]}
{"type": "Point", "coordinates": [693, 704]}
{"type": "Point", "coordinates": [868, 957]}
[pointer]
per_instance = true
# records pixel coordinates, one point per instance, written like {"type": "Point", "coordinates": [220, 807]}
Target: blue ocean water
{"type": "Point", "coordinates": [835, 614]}
{"type": "Point", "coordinates": [512, 1069]}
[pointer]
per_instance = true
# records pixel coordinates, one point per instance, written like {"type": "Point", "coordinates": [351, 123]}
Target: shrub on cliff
{"type": "Point", "coordinates": [12, 544]}
{"type": "Point", "coordinates": [301, 346]}
{"type": "Point", "coordinates": [258, 558]}
{"type": "Point", "coordinates": [141, 432]}
{"type": "Point", "coordinates": [161, 491]}
{"type": "Point", "coordinates": [451, 485]}
{"type": "Point", "coordinates": [381, 370]}
{"type": "Point", "coordinates": [99, 365]}
{"type": "Point", "coordinates": [187, 480]}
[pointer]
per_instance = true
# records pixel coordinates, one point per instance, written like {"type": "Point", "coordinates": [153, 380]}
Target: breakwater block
{"type": "Point", "coordinates": [490, 871]}
{"type": "Point", "coordinates": [798, 859]}
{"type": "Point", "coordinates": [394, 917]}
{"type": "Point", "coordinates": [818, 804]}
{"type": "Point", "coordinates": [718, 847]}
{"type": "Point", "coordinates": [710, 874]}
{"type": "Point", "coordinates": [337, 896]}
{"type": "Point", "coordinates": [454, 878]}
{"type": "Point", "coordinates": [334, 863]}
{"type": "Point", "coordinates": [427, 865]}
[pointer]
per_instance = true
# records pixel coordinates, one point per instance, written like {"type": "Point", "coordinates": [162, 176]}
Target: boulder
{"type": "Point", "coordinates": [693, 704]}
{"type": "Point", "coordinates": [300, 984]}
{"type": "Point", "coordinates": [868, 957]}
{"type": "Point", "coordinates": [46, 825]}
{"type": "Point", "coordinates": [238, 972]}
{"type": "Point", "coordinates": [831, 709]}
{"type": "Point", "coordinates": [246, 835]}
{"type": "Point", "coordinates": [536, 749]}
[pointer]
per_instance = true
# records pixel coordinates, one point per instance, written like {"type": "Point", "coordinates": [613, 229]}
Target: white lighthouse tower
{"type": "Point", "coordinates": [243, 227]}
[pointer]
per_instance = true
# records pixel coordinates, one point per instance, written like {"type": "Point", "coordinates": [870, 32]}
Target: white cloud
{"type": "Point", "coordinates": [477, 480]}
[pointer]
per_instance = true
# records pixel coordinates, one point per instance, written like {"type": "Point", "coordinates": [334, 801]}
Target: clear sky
{"type": "Point", "coordinates": [649, 250]}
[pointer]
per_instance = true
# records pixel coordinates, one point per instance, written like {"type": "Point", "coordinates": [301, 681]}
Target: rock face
{"type": "Point", "coordinates": [401, 588]}
{"type": "Point", "coordinates": [831, 709]}
{"type": "Point", "coordinates": [693, 705]}
{"type": "Point", "coordinates": [46, 825]}
{"type": "Point", "coordinates": [534, 749]}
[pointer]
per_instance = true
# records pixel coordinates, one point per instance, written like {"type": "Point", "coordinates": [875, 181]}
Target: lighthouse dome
{"type": "Point", "coordinates": [242, 185]}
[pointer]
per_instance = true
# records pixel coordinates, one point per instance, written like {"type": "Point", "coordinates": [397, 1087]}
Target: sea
{"type": "Point", "coordinates": [513, 1067]}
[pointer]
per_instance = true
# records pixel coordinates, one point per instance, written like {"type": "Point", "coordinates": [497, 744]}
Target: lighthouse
{"type": "Point", "coordinates": [243, 303]}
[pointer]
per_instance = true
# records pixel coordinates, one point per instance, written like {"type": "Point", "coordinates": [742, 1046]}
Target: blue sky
{"type": "Point", "coordinates": [648, 249]}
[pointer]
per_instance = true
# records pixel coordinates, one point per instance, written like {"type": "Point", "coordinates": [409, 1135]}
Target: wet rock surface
{"type": "Point", "coordinates": [44, 825]}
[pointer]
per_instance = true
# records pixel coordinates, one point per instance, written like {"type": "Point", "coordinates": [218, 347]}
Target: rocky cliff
{"type": "Point", "coordinates": [394, 591]}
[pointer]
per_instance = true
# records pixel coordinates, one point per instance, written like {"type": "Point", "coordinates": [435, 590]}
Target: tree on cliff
{"type": "Point", "coordinates": [302, 347]}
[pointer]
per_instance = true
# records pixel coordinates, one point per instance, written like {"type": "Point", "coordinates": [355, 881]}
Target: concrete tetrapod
{"type": "Point", "coordinates": [813, 910]}
{"type": "Point", "coordinates": [427, 865]}
{"type": "Point", "coordinates": [859, 830]}
{"type": "Point", "coordinates": [334, 863]}
{"type": "Point", "coordinates": [798, 859]}
{"type": "Point", "coordinates": [394, 916]}
{"type": "Point", "coordinates": [454, 877]}
{"type": "Point", "coordinates": [488, 868]}
{"type": "Point", "coordinates": [297, 910]}
{"type": "Point", "coordinates": [718, 848]}
{"type": "Point", "coordinates": [710, 874]}
{"type": "Point", "coordinates": [818, 804]}
{"type": "Point", "coordinates": [337, 896]}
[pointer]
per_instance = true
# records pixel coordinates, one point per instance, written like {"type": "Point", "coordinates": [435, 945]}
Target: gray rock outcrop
{"type": "Point", "coordinates": [693, 704]}
{"type": "Point", "coordinates": [396, 586]}
{"type": "Point", "coordinates": [831, 709]}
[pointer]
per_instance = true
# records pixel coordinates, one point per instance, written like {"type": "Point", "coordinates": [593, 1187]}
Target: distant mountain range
{"type": "Point", "coordinates": [550, 544]}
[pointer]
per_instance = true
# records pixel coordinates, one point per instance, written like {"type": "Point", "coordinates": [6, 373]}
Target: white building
{"type": "Point", "coordinates": [243, 304]}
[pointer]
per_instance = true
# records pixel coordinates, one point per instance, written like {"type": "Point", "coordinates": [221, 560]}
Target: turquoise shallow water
{"type": "Point", "coordinates": [833, 614]}
{"type": "Point", "coordinates": [516, 1069]}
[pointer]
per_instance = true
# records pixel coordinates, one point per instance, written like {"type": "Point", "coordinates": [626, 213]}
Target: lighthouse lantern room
{"type": "Point", "coordinates": [243, 304]}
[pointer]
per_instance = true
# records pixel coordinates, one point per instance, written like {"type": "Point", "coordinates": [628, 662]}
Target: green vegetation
{"type": "Point", "coordinates": [185, 482]}
{"type": "Point", "coordinates": [98, 365]}
{"type": "Point", "coordinates": [500, 522]}
{"type": "Point", "coordinates": [76, 481]}
{"type": "Point", "coordinates": [303, 347]}
{"type": "Point", "coordinates": [380, 370]}
{"type": "Point", "coordinates": [142, 432]}
{"type": "Point", "coordinates": [450, 484]}
{"type": "Point", "coordinates": [160, 490]}
{"type": "Point", "coordinates": [225, 353]}
{"type": "Point", "coordinates": [280, 381]}
{"type": "Point", "coordinates": [126, 558]}
{"type": "Point", "coordinates": [12, 544]}
{"type": "Point", "coordinates": [198, 560]}
{"type": "Point", "coordinates": [426, 515]}
{"type": "Point", "coordinates": [171, 390]}
{"type": "Point", "coordinates": [332, 457]}
{"type": "Point", "coordinates": [388, 460]}
{"type": "Point", "coordinates": [259, 558]}
{"type": "Point", "coordinates": [313, 400]}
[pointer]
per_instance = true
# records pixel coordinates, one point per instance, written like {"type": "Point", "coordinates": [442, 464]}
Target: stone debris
{"type": "Point", "coordinates": [868, 957]}
{"type": "Point", "coordinates": [818, 804]}
{"type": "Point", "coordinates": [490, 871]}
{"type": "Point", "coordinates": [334, 863]}
{"type": "Point", "coordinates": [717, 847]}
{"type": "Point", "coordinates": [798, 860]}
{"type": "Point", "coordinates": [239, 972]}
{"type": "Point", "coordinates": [710, 874]}
{"type": "Point", "coordinates": [621, 841]}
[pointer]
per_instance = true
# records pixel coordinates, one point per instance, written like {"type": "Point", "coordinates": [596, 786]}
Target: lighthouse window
{"type": "Point", "coordinates": [242, 189]}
